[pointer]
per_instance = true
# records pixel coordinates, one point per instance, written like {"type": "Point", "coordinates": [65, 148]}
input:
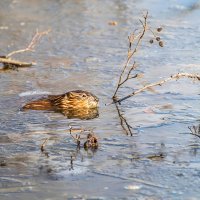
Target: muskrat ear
{"type": "Point", "coordinates": [71, 94]}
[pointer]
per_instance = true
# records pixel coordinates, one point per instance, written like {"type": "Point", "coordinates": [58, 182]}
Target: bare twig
{"type": "Point", "coordinates": [91, 140]}
{"type": "Point", "coordinates": [130, 54]}
{"type": "Point", "coordinates": [159, 83]}
{"type": "Point", "coordinates": [195, 130]}
{"type": "Point", "coordinates": [44, 144]}
{"type": "Point", "coordinates": [71, 163]}
{"type": "Point", "coordinates": [127, 69]}
{"type": "Point", "coordinates": [152, 32]}
{"type": "Point", "coordinates": [32, 44]}
{"type": "Point", "coordinates": [9, 63]}
{"type": "Point", "coordinates": [128, 76]}
{"type": "Point", "coordinates": [77, 138]}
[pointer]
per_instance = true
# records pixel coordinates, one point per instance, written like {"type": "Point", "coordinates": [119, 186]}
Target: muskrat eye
{"type": "Point", "coordinates": [84, 95]}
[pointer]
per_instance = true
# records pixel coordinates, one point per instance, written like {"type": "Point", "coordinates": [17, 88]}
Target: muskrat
{"type": "Point", "coordinates": [76, 99]}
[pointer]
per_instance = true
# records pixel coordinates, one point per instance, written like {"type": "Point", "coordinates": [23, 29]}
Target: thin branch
{"type": "Point", "coordinates": [152, 32]}
{"type": "Point", "coordinates": [142, 34]}
{"type": "Point", "coordinates": [195, 130]}
{"type": "Point", "coordinates": [7, 61]}
{"type": "Point", "coordinates": [195, 134]}
{"type": "Point", "coordinates": [32, 44]}
{"type": "Point", "coordinates": [176, 76]}
{"type": "Point", "coordinates": [91, 141]}
{"type": "Point", "coordinates": [77, 138]}
{"type": "Point", "coordinates": [128, 75]}
{"type": "Point", "coordinates": [44, 144]}
{"type": "Point", "coordinates": [131, 53]}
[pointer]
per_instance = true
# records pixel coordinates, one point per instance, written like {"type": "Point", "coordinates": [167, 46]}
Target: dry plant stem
{"type": "Point", "coordinates": [130, 55]}
{"type": "Point", "coordinates": [32, 44]}
{"type": "Point", "coordinates": [159, 83]}
{"type": "Point", "coordinates": [12, 64]}
{"type": "Point", "coordinates": [77, 138]}
{"type": "Point", "coordinates": [71, 163]}
{"type": "Point", "coordinates": [195, 134]}
{"type": "Point", "coordinates": [152, 32]}
{"type": "Point", "coordinates": [126, 127]}
{"type": "Point", "coordinates": [44, 144]}
{"type": "Point", "coordinates": [15, 62]}
{"type": "Point", "coordinates": [196, 130]}
{"type": "Point", "coordinates": [129, 75]}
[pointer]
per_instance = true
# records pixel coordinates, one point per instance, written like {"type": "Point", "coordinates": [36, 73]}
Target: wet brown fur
{"type": "Point", "coordinates": [71, 100]}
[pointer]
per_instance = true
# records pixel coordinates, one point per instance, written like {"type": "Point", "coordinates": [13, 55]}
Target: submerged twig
{"type": "Point", "coordinates": [71, 163]}
{"type": "Point", "coordinates": [44, 144]}
{"type": "Point", "coordinates": [125, 125]}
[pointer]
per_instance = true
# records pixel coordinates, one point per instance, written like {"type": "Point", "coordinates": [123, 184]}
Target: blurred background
{"type": "Point", "coordinates": [86, 49]}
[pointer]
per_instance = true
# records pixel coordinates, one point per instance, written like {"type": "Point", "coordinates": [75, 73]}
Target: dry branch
{"type": "Point", "coordinates": [91, 140]}
{"type": "Point", "coordinates": [132, 38]}
{"type": "Point", "coordinates": [9, 63]}
{"type": "Point", "coordinates": [159, 83]}
{"type": "Point", "coordinates": [32, 44]}
{"type": "Point", "coordinates": [195, 130]}
{"type": "Point", "coordinates": [44, 144]}
{"type": "Point", "coordinates": [135, 40]}
{"type": "Point", "coordinates": [126, 73]}
{"type": "Point", "coordinates": [77, 138]}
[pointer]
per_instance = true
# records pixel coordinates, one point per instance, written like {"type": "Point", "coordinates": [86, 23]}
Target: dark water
{"type": "Point", "coordinates": [160, 161]}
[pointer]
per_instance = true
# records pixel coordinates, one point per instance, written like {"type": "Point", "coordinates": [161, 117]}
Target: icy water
{"type": "Point", "coordinates": [83, 51]}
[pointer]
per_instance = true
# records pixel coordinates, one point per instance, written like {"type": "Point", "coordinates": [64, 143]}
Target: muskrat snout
{"type": "Point", "coordinates": [94, 101]}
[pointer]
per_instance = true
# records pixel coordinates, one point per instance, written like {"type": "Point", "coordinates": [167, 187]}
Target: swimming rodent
{"type": "Point", "coordinates": [73, 100]}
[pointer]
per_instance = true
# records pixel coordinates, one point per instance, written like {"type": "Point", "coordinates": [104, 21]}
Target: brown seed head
{"type": "Point", "coordinates": [158, 38]}
{"type": "Point", "coordinates": [161, 44]}
{"type": "Point", "coordinates": [151, 41]}
{"type": "Point", "coordinates": [159, 29]}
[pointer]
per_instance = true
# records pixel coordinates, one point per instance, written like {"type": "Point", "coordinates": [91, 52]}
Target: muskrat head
{"type": "Point", "coordinates": [80, 99]}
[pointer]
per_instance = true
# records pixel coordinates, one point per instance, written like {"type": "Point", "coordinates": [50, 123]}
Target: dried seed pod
{"type": "Point", "coordinates": [112, 23]}
{"type": "Point", "coordinates": [151, 41]}
{"type": "Point", "coordinates": [159, 29]}
{"type": "Point", "coordinates": [158, 38]}
{"type": "Point", "coordinates": [91, 142]}
{"type": "Point", "coordinates": [161, 44]}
